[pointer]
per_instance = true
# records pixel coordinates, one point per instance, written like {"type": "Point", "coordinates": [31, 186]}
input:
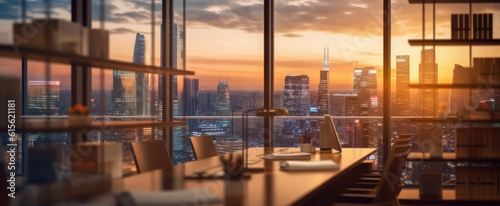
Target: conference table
{"type": "Point", "coordinates": [270, 186]}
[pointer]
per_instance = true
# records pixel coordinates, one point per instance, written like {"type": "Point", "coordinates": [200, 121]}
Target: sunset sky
{"type": "Point", "coordinates": [225, 38]}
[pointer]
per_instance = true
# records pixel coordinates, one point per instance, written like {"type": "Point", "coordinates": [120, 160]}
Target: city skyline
{"type": "Point", "coordinates": [297, 47]}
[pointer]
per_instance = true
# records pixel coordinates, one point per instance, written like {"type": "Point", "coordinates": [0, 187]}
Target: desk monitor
{"type": "Point", "coordinates": [329, 138]}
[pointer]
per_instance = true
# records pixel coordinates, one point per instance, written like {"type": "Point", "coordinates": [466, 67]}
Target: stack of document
{"type": "Point", "coordinates": [303, 165]}
{"type": "Point", "coordinates": [288, 156]}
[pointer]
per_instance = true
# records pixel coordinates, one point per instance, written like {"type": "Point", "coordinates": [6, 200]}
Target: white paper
{"type": "Point", "coordinates": [304, 165]}
{"type": "Point", "coordinates": [175, 197]}
{"type": "Point", "coordinates": [287, 156]}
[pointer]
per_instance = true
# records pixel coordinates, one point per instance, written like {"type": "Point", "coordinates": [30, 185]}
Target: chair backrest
{"type": "Point", "coordinates": [396, 149]}
{"type": "Point", "coordinates": [151, 155]}
{"type": "Point", "coordinates": [389, 185]}
{"type": "Point", "coordinates": [203, 146]}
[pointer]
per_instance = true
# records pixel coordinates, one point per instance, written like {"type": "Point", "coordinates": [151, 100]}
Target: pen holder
{"type": "Point", "coordinates": [306, 147]}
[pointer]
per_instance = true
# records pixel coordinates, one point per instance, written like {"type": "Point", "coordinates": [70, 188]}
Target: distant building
{"type": "Point", "coordinates": [191, 105]}
{"type": "Point", "coordinates": [402, 85]}
{"type": "Point", "coordinates": [324, 87]}
{"type": "Point", "coordinates": [296, 95]}
{"type": "Point", "coordinates": [365, 85]}
{"type": "Point", "coordinates": [223, 104]}
{"type": "Point", "coordinates": [428, 73]}
{"type": "Point", "coordinates": [141, 79]}
{"type": "Point", "coordinates": [344, 104]}
{"type": "Point", "coordinates": [43, 97]}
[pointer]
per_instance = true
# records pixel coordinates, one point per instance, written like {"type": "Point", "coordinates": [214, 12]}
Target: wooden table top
{"type": "Point", "coordinates": [270, 187]}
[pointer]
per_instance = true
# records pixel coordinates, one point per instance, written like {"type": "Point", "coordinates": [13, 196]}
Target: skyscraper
{"type": "Point", "coordinates": [296, 95]}
{"type": "Point", "coordinates": [182, 150]}
{"type": "Point", "coordinates": [402, 85]}
{"type": "Point", "coordinates": [124, 93]}
{"type": "Point", "coordinates": [190, 97]}
{"type": "Point", "coordinates": [141, 79]}
{"type": "Point", "coordinates": [365, 85]}
{"type": "Point", "coordinates": [43, 97]}
{"type": "Point", "coordinates": [130, 90]}
{"type": "Point", "coordinates": [324, 86]}
{"type": "Point", "coordinates": [428, 75]}
{"type": "Point", "coordinates": [223, 104]}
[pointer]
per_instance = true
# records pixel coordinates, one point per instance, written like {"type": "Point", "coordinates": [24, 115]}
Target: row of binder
{"type": "Point", "coordinates": [482, 26]}
{"type": "Point", "coordinates": [477, 182]}
{"type": "Point", "coordinates": [477, 143]}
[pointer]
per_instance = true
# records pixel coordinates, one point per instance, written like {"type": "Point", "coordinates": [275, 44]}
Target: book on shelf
{"type": "Point", "coordinates": [477, 143]}
{"type": "Point", "coordinates": [454, 26]}
{"type": "Point", "coordinates": [482, 26]}
{"type": "Point", "coordinates": [477, 182]}
{"type": "Point", "coordinates": [466, 27]}
{"type": "Point", "coordinates": [461, 26]}
{"type": "Point", "coordinates": [490, 26]}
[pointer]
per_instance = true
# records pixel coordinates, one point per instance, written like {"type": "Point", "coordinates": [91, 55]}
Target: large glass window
{"type": "Point", "coordinates": [329, 62]}
{"type": "Point", "coordinates": [224, 48]}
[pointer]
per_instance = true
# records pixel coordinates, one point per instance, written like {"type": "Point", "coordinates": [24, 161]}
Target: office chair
{"type": "Point", "coordinates": [151, 155]}
{"type": "Point", "coordinates": [203, 146]}
{"type": "Point", "coordinates": [387, 190]}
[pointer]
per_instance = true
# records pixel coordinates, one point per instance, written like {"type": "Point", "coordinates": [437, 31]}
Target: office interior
{"type": "Point", "coordinates": [238, 102]}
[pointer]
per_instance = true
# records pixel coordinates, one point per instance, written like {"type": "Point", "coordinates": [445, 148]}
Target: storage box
{"type": "Point", "coordinates": [65, 36]}
{"type": "Point", "coordinates": [99, 43]}
{"type": "Point", "coordinates": [95, 157]}
{"type": "Point", "coordinates": [431, 184]}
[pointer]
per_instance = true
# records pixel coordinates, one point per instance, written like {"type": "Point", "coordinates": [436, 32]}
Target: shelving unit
{"type": "Point", "coordinates": [61, 125]}
{"type": "Point", "coordinates": [450, 1]}
{"type": "Point", "coordinates": [447, 157]}
{"type": "Point", "coordinates": [454, 86]}
{"type": "Point", "coordinates": [453, 42]}
{"type": "Point", "coordinates": [453, 120]}
{"type": "Point", "coordinates": [65, 58]}
{"type": "Point", "coordinates": [412, 195]}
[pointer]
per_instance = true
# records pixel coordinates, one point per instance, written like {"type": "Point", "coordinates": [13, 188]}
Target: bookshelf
{"type": "Point", "coordinates": [452, 120]}
{"type": "Point", "coordinates": [471, 145]}
{"type": "Point", "coordinates": [447, 157]}
{"type": "Point", "coordinates": [411, 196]}
{"type": "Point", "coordinates": [453, 42]}
{"type": "Point", "coordinates": [66, 58]}
{"type": "Point", "coordinates": [454, 86]}
{"type": "Point", "coordinates": [450, 1]}
{"type": "Point", "coordinates": [61, 125]}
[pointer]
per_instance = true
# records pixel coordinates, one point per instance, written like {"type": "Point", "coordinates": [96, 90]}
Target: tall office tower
{"type": "Point", "coordinates": [296, 95]}
{"type": "Point", "coordinates": [324, 87]}
{"type": "Point", "coordinates": [181, 146]}
{"type": "Point", "coordinates": [428, 71]}
{"type": "Point", "coordinates": [223, 104]}
{"type": "Point", "coordinates": [190, 97]}
{"type": "Point", "coordinates": [344, 104]}
{"type": "Point", "coordinates": [178, 63]}
{"type": "Point", "coordinates": [43, 97]}
{"type": "Point", "coordinates": [402, 85]}
{"type": "Point", "coordinates": [143, 106]}
{"type": "Point", "coordinates": [365, 85]}
{"type": "Point", "coordinates": [124, 93]}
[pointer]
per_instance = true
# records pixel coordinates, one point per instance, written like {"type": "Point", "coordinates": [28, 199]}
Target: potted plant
{"type": "Point", "coordinates": [78, 114]}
